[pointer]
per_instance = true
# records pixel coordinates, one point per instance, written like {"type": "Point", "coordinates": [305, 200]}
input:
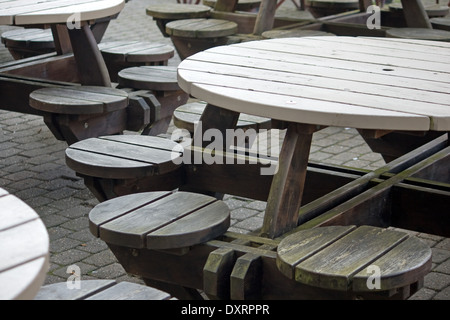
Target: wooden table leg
{"type": "Point", "coordinates": [89, 59]}
{"type": "Point", "coordinates": [284, 200]}
{"type": "Point", "coordinates": [415, 14]}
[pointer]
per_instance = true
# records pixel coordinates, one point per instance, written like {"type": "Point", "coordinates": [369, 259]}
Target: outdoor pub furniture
{"type": "Point", "coordinates": [24, 249]}
{"type": "Point", "coordinates": [403, 87]}
{"type": "Point", "coordinates": [335, 81]}
{"type": "Point", "coordinates": [76, 61]}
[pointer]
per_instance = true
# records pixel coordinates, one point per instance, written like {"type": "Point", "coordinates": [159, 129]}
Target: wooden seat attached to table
{"type": "Point", "coordinates": [148, 222]}
{"type": "Point", "coordinates": [24, 43]}
{"type": "Point", "coordinates": [288, 33]}
{"type": "Point", "coordinates": [190, 36]}
{"type": "Point", "coordinates": [242, 5]}
{"type": "Point", "coordinates": [320, 8]}
{"type": "Point", "coordinates": [187, 115]}
{"type": "Point", "coordinates": [162, 82]}
{"type": "Point", "coordinates": [363, 261]}
{"type": "Point", "coordinates": [159, 220]}
{"type": "Point", "coordinates": [440, 23]}
{"type": "Point", "coordinates": [119, 55]}
{"type": "Point", "coordinates": [118, 165]}
{"type": "Point", "coordinates": [419, 33]}
{"type": "Point", "coordinates": [100, 290]}
{"type": "Point", "coordinates": [165, 13]}
{"type": "Point", "coordinates": [75, 113]}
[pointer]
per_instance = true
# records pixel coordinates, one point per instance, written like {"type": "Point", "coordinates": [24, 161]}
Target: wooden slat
{"type": "Point", "coordinates": [256, 57]}
{"type": "Point", "coordinates": [112, 209]}
{"type": "Point", "coordinates": [130, 230]}
{"type": "Point", "coordinates": [79, 100]}
{"type": "Point", "coordinates": [23, 281]}
{"type": "Point", "coordinates": [149, 78]}
{"type": "Point", "coordinates": [136, 51]}
{"type": "Point", "coordinates": [399, 267]}
{"type": "Point", "coordinates": [100, 290]}
{"type": "Point", "coordinates": [171, 11]}
{"type": "Point", "coordinates": [60, 291]}
{"type": "Point", "coordinates": [305, 82]}
{"type": "Point", "coordinates": [22, 213]}
{"type": "Point", "coordinates": [89, 10]}
{"type": "Point", "coordinates": [198, 227]}
{"type": "Point", "coordinates": [18, 248]}
{"type": "Point", "coordinates": [130, 291]}
{"type": "Point", "coordinates": [333, 90]}
{"type": "Point", "coordinates": [275, 69]}
{"type": "Point", "coordinates": [313, 111]}
{"type": "Point", "coordinates": [302, 245]}
{"type": "Point", "coordinates": [106, 154]}
{"type": "Point", "coordinates": [186, 116]}
{"type": "Point", "coordinates": [201, 28]}
{"type": "Point", "coordinates": [334, 266]}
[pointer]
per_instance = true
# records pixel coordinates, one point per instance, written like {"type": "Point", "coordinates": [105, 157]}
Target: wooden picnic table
{"type": "Point", "coordinates": [376, 85]}
{"type": "Point", "coordinates": [24, 249]}
{"type": "Point", "coordinates": [77, 27]}
{"type": "Point", "coordinates": [70, 22]}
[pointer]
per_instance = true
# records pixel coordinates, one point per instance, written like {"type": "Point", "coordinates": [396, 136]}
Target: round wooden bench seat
{"type": "Point", "coordinates": [190, 36]}
{"type": "Point", "coordinates": [122, 164]}
{"type": "Point", "coordinates": [159, 220]}
{"type": "Point", "coordinates": [75, 113]}
{"type": "Point", "coordinates": [100, 290]}
{"type": "Point", "coordinates": [242, 5]}
{"type": "Point", "coordinates": [155, 78]}
{"type": "Point", "coordinates": [321, 8]}
{"type": "Point", "coordinates": [79, 100]}
{"type": "Point", "coordinates": [273, 34]}
{"type": "Point", "coordinates": [432, 10]}
{"type": "Point", "coordinates": [187, 115]}
{"type": "Point", "coordinates": [440, 23]}
{"type": "Point", "coordinates": [24, 43]}
{"type": "Point", "coordinates": [162, 82]}
{"type": "Point", "coordinates": [119, 55]}
{"type": "Point", "coordinates": [165, 13]}
{"type": "Point", "coordinates": [419, 34]}
{"type": "Point", "coordinates": [361, 259]}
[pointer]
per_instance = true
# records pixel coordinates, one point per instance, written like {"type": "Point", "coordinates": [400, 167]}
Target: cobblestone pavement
{"type": "Point", "coordinates": [32, 167]}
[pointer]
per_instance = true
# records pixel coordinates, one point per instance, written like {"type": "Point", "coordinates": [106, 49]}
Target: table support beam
{"type": "Point", "coordinates": [415, 14]}
{"type": "Point", "coordinates": [266, 16]}
{"type": "Point", "coordinates": [90, 62]}
{"type": "Point", "coordinates": [284, 200]}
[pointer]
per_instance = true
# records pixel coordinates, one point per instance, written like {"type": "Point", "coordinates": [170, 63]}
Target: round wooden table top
{"type": "Point", "coordinates": [24, 249]}
{"type": "Point", "coordinates": [364, 83]}
{"type": "Point", "coordinates": [24, 12]}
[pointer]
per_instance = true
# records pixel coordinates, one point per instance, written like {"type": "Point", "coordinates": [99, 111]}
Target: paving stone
{"type": "Point", "coordinates": [103, 258]}
{"type": "Point", "coordinates": [243, 213]}
{"type": "Point", "coordinates": [443, 295]}
{"type": "Point", "coordinates": [437, 281]}
{"type": "Point", "coordinates": [440, 255]}
{"type": "Point", "coordinates": [444, 244]}
{"type": "Point", "coordinates": [112, 271]}
{"type": "Point", "coordinates": [423, 294]}
{"type": "Point", "coordinates": [69, 257]}
{"type": "Point", "coordinates": [63, 244]}
{"type": "Point", "coordinates": [76, 224]}
{"type": "Point", "coordinates": [57, 233]}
